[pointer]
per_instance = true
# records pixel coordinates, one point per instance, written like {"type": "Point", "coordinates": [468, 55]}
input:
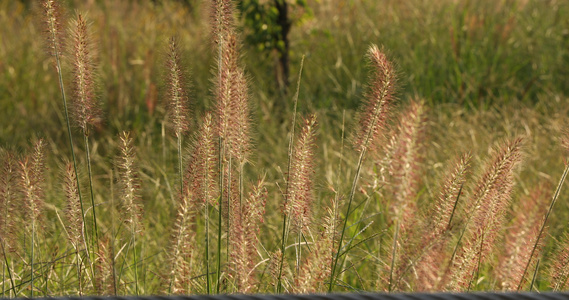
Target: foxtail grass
{"type": "Point", "coordinates": [559, 269]}
{"type": "Point", "coordinates": [246, 220]}
{"type": "Point", "coordinates": [85, 111]}
{"type": "Point", "coordinates": [53, 22]}
{"type": "Point", "coordinates": [523, 240]}
{"type": "Point", "coordinates": [487, 208]}
{"type": "Point", "coordinates": [32, 168]}
{"type": "Point", "coordinates": [178, 102]}
{"type": "Point", "coordinates": [300, 189]}
{"type": "Point", "coordinates": [435, 237]}
{"type": "Point", "coordinates": [75, 226]}
{"type": "Point", "coordinates": [130, 192]}
{"type": "Point", "coordinates": [372, 122]}
{"type": "Point", "coordinates": [222, 27]}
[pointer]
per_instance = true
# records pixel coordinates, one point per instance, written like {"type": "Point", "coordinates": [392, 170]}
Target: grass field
{"type": "Point", "coordinates": [443, 182]}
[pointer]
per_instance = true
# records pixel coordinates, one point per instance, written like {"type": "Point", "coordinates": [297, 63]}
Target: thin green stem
{"type": "Point", "coordinates": [350, 200]}
{"type": "Point", "coordinates": [228, 221]}
{"type": "Point", "coordinates": [7, 267]}
{"type": "Point", "coordinates": [221, 170]}
{"type": "Point", "coordinates": [534, 275]}
{"type": "Point", "coordinates": [95, 231]}
{"type": "Point", "coordinates": [79, 277]}
{"type": "Point", "coordinates": [206, 213]}
{"type": "Point", "coordinates": [219, 232]}
{"type": "Point", "coordinates": [290, 149]}
{"type": "Point", "coordinates": [32, 259]}
{"type": "Point", "coordinates": [180, 162]}
{"type": "Point", "coordinates": [220, 209]}
{"type": "Point", "coordinates": [135, 261]}
{"type": "Point", "coordinates": [393, 256]}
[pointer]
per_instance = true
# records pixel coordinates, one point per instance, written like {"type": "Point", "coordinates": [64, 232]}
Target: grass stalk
{"type": "Point", "coordinates": [135, 261]}
{"type": "Point", "coordinates": [95, 230]}
{"type": "Point", "coordinates": [290, 150]}
{"type": "Point", "coordinates": [219, 233]}
{"type": "Point", "coordinates": [206, 214]}
{"type": "Point", "coordinates": [32, 246]}
{"type": "Point", "coordinates": [393, 256]}
{"type": "Point", "coordinates": [372, 121]}
{"type": "Point", "coordinates": [348, 212]}
{"type": "Point", "coordinates": [222, 166]}
{"type": "Point", "coordinates": [53, 33]}
{"type": "Point", "coordinates": [68, 124]}
{"type": "Point", "coordinates": [180, 162]}
{"type": "Point", "coordinates": [7, 267]}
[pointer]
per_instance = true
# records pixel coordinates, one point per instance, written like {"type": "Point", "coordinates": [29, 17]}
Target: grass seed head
{"type": "Point", "coordinates": [378, 101]}
{"type": "Point", "coordinates": [178, 107]}
{"type": "Point", "coordinates": [300, 187]}
{"type": "Point", "coordinates": [52, 18]}
{"type": "Point", "coordinates": [85, 109]}
{"type": "Point", "coordinates": [73, 210]}
{"type": "Point", "coordinates": [130, 183]}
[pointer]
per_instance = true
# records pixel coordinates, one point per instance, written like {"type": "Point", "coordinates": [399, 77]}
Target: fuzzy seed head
{"type": "Point", "coordinates": [316, 270]}
{"type": "Point", "coordinates": [84, 108]}
{"type": "Point", "coordinates": [558, 271]}
{"type": "Point", "coordinates": [232, 107]}
{"type": "Point", "coordinates": [378, 103]}
{"type": "Point", "coordinates": [407, 156]}
{"type": "Point", "coordinates": [32, 169]}
{"type": "Point", "coordinates": [200, 178]}
{"type": "Point", "coordinates": [300, 190]}
{"type": "Point", "coordinates": [105, 275]}
{"type": "Point", "coordinates": [245, 223]}
{"type": "Point", "coordinates": [73, 209]}
{"type": "Point", "coordinates": [446, 202]}
{"type": "Point", "coordinates": [222, 22]}
{"type": "Point", "coordinates": [492, 198]}
{"type": "Point", "coordinates": [178, 111]}
{"type": "Point", "coordinates": [130, 183]}
{"type": "Point", "coordinates": [521, 237]}
{"type": "Point", "coordinates": [182, 247]}
{"type": "Point", "coordinates": [8, 200]}
{"type": "Point", "coordinates": [52, 14]}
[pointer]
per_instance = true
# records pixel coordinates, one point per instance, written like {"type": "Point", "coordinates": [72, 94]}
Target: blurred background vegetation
{"type": "Point", "coordinates": [472, 53]}
{"type": "Point", "coordinates": [488, 70]}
